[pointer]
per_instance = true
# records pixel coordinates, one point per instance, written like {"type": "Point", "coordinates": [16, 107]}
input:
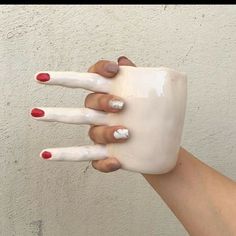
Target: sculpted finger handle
{"type": "Point", "coordinates": [155, 100]}
{"type": "Point", "coordinates": [70, 115]}
{"type": "Point", "coordinates": [83, 153]}
{"type": "Point", "coordinates": [89, 81]}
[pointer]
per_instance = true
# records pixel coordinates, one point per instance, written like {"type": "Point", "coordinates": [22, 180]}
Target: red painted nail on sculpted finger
{"type": "Point", "coordinates": [37, 112]}
{"type": "Point", "coordinates": [43, 77]}
{"type": "Point", "coordinates": [46, 155]}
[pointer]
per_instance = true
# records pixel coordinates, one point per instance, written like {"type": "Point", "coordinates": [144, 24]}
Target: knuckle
{"type": "Point", "coordinates": [94, 165]}
{"type": "Point", "coordinates": [110, 167]}
{"type": "Point", "coordinates": [91, 68]}
{"type": "Point", "coordinates": [99, 65]}
{"type": "Point", "coordinates": [107, 135]}
{"type": "Point", "coordinates": [91, 133]}
{"type": "Point", "coordinates": [94, 68]}
{"type": "Point", "coordinates": [88, 99]}
{"type": "Point", "coordinates": [103, 101]}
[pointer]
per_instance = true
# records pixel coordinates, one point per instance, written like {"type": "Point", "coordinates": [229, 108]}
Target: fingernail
{"type": "Point", "coordinates": [122, 57]}
{"type": "Point", "coordinates": [43, 77]}
{"type": "Point", "coordinates": [121, 134]}
{"type": "Point", "coordinates": [116, 104]}
{"type": "Point", "coordinates": [46, 155]}
{"type": "Point", "coordinates": [112, 67]}
{"type": "Point", "coordinates": [37, 112]}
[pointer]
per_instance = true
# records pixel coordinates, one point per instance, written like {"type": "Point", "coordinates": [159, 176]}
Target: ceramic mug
{"type": "Point", "coordinates": [155, 103]}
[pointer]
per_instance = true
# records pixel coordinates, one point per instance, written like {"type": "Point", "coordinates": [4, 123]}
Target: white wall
{"type": "Point", "coordinates": [64, 199]}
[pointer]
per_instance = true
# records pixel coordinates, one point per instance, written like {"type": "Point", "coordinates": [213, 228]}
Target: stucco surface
{"type": "Point", "coordinates": [70, 199]}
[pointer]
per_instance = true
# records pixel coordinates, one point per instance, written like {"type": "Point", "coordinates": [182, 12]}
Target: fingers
{"type": "Point", "coordinates": [104, 134]}
{"type": "Point", "coordinates": [108, 134]}
{"type": "Point", "coordinates": [104, 102]}
{"type": "Point", "coordinates": [107, 165]}
{"type": "Point", "coordinates": [89, 81]}
{"type": "Point", "coordinates": [124, 61]}
{"type": "Point", "coordinates": [70, 115]}
{"type": "Point", "coordinates": [105, 68]}
{"type": "Point", "coordinates": [83, 153]}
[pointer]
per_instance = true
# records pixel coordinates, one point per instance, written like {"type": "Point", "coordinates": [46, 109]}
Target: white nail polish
{"type": "Point", "coordinates": [116, 104]}
{"type": "Point", "coordinates": [121, 134]}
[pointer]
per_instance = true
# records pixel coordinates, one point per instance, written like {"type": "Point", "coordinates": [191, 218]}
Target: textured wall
{"type": "Point", "coordinates": [68, 199]}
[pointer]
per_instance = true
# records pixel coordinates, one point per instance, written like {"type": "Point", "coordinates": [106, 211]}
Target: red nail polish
{"type": "Point", "coordinates": [37, 112]}
{"type": "Point", "coordinates": [46, 155]}
{"type": "Point", "coordinates": [43, 77]}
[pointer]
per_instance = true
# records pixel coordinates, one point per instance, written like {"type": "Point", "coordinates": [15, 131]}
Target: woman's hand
{"type": "Point", "coordinates": [102, 134]}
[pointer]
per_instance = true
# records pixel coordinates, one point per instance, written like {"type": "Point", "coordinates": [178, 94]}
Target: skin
{"type": "Point", "coordinates": [201, 198]}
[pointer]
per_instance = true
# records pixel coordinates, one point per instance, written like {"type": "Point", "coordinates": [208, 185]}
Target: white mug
{"type": "Point", "coordinates": [155, 103]}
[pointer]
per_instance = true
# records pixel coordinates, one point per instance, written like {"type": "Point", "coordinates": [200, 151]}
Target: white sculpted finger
{"type": "Point", "coordinates": [89, 81]}
{"type": "Point", "coordinates": [70, 115]}
{"type": "Point", "coordinates": [83, 153]}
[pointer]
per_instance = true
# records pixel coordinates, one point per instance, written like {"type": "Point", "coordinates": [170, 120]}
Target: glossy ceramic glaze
{"type": "Point", "coordinates": [155, 102]}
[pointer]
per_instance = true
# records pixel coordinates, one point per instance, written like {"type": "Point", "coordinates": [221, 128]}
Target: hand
{"type": "Point", "coordinates": [100, 101]}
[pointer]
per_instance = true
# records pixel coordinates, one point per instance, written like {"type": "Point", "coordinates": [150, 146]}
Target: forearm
{"type": "Point", "coordinates": [200, 197]}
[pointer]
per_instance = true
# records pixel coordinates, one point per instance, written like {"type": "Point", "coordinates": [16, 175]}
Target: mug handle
{"type": "Point", "coordinates": [82, 153]}
{"type": "Point", "coordinates": [90, 81]}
